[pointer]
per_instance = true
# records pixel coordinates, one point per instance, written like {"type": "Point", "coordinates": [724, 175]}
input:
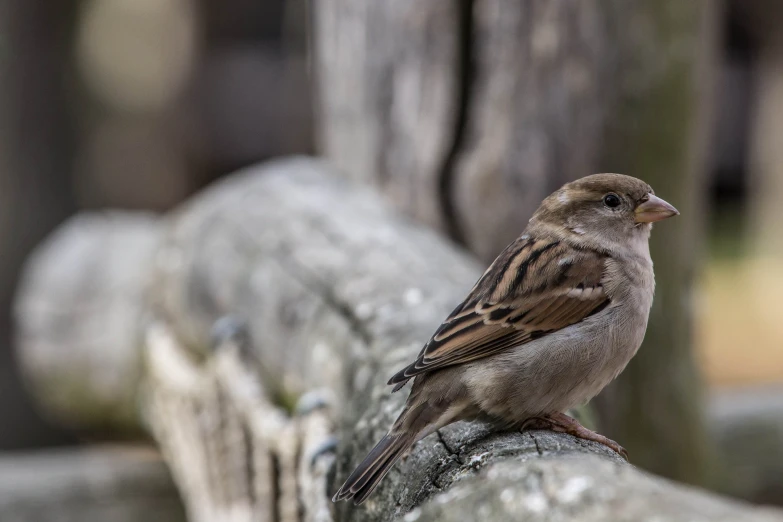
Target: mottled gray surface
{"type": "Point", "coordinates": [331, 282]}
{"type": "Point", "coordinates": [79, 315]}
{"type": "Point", "coordinates": [747, 424]}
{"type": "Point", "coordinates": [347, 291]}
{"type": "Point", "coordinates": [95, 485]}
{"type": "Point", "coordinates": [338, 292]}
{"type": "Point", "coordinates": [388, 95]}
{"type": "Point", "coordinates": [581, 488]}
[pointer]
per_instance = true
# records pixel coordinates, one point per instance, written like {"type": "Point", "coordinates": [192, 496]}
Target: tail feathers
{"type": "Point", "coordinates": [399, 386]}
{"type": "Point", "coordinates": [373, 468]}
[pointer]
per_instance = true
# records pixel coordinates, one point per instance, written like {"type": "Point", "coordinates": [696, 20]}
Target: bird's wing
{"type": "Point", "coordinates": [535, 287]}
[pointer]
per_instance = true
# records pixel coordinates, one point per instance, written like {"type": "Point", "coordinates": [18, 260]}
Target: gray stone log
{"type": "Point", "coordinates": [78, 313]}
{"type": "Point", "coordinates": [747, 425]}
{"type": "Point", "coordinates": [338, 292]}
{"type": "Point", "coordinates": [81, 485]}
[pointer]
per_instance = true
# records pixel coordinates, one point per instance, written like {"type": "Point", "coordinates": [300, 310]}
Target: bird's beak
{"type": "Point", "coordinates": [653, 209]}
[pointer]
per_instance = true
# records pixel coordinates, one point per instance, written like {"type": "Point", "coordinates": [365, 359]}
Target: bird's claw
{"type": "Point", "coordinates": [562, 423]}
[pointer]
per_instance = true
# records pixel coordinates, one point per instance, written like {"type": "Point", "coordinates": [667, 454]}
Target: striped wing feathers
{"type": "Point", "coordinates": [533, 288]}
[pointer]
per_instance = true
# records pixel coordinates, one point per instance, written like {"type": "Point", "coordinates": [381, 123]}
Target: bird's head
{"type": "Point", "coordinates": [608, 209]}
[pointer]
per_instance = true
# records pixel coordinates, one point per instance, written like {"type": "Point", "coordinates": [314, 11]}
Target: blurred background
{"type": "Point", "coordinates": [138, 104]}
{"type": "Point", "coordinates": [133, 105]}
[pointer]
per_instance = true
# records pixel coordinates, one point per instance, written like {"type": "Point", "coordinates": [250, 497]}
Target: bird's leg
{"type": "Point", "coordinates": [562, 423]}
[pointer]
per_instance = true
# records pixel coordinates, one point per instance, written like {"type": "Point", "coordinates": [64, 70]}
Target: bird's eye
{"type": "Point", "coordinates": [612, 200]}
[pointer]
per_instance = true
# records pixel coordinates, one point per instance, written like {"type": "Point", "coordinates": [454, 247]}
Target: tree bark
{"type": "Point", "coordinates": [389, 94]}
{"type": "Point", "coordinates": [466, 114]}
{"type": "Point", "coordinates": [337, 292]}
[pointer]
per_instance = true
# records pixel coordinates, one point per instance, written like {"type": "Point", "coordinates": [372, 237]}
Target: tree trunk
{"type": "Point", "coordinates": [466, 114]}
{"type": "Point", "coordinates": [35, 166]}
{"type": "Point", "coordinates": [659, 134]}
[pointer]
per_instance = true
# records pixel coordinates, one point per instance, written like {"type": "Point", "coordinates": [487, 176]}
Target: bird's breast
{"type": "Point", "coordinates": [565, 368]}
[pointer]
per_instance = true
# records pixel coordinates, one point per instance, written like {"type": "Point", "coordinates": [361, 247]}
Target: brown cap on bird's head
{"type": "Point", "coordinates": [613, 194]}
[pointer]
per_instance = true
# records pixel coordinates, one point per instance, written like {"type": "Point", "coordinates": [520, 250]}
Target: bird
{"type": "Point", "coordinates": [553, 320]}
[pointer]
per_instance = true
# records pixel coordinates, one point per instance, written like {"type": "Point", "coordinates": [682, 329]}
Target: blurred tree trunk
{"type": "Point", "coordinates": [35, 164]}
{"type": "Point", "coordinates": [467, 113]}
{"type": "Point", "coordinates": [659, 133]}
{"type": "Point", "coordinates": [763, 18]}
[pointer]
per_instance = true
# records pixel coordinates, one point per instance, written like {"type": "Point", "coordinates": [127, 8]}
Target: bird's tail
{"type": "Point", "coordinates": [374, 467]}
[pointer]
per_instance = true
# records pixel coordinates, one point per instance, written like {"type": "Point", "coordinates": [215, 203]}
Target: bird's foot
{"type": "Point", "coordinates": [562, 423]}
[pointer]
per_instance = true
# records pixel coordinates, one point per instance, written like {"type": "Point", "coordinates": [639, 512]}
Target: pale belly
{"type": "Point", "coordinates": [559, 371]}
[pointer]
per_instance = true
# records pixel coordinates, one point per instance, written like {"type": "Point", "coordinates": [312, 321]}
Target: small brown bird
{"type": "Point", "coordinates": [555, 318]}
